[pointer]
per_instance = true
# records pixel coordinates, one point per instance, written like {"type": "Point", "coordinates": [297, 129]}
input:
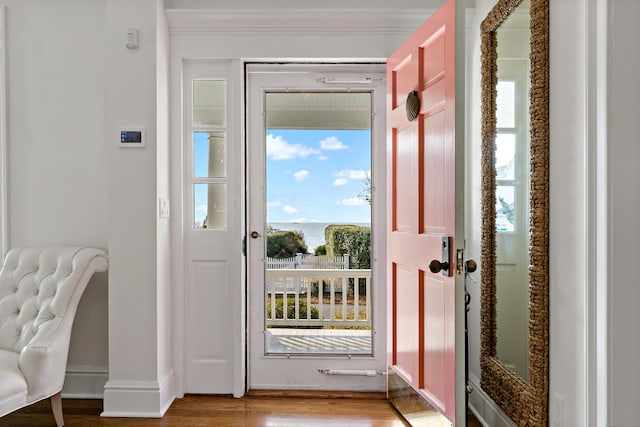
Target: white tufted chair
{"type": "Point", "coordinates": [40, 288]}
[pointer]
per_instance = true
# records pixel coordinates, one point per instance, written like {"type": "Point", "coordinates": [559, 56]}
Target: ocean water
{"type": "Point", "coordinates": [313, 231]}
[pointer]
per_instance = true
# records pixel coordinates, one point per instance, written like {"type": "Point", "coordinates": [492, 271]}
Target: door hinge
{"type": "Point", "coordinates": [244, 246]}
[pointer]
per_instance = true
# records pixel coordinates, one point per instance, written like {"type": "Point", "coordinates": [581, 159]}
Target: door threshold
{"type": "Point", "coordinates": [411, 405]}
{"type": "Point", "coordinates": [319, 394]}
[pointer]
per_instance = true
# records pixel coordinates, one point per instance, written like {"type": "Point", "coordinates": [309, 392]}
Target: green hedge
{"type": "Point", "coordinates": [285, 244]}
{"type": "Point", "coordinates": [291, 309]}
{"type": "Point", "coordinates": [354, 240]}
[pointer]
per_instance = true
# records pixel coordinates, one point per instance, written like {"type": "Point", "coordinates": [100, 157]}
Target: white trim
{"type": "Point", "coordinates": [236, 69]}
{"type": "Point", "coordinates": [138, 399]}
{"type": "Point", "coordinates": [85, 382]}
{"type": "Point", "coordinates": [484, 408]}
{"type": "Point", "coordinates": [209, 35]}
{"type": "Point", "coordinates": [298, 22]}
{"type": "Point", "coordinates": [4, 237]}
{"type": "Point", "coordinates": [596, 208]}
{"type": "Point", "coordinates": [176, 201]}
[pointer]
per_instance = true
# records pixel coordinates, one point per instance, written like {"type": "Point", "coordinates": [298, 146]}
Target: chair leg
{"type": "Point", "coordinates": [56, 406]}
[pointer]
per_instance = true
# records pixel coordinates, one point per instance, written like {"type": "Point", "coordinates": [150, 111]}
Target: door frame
{"type": "Point", "coordinates": [214, 35]}
{"type": "Point", "coordinates": [304, 77]}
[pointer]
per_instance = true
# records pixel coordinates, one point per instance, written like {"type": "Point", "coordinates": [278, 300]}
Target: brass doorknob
{"type": "Point", "coordinates": [471, 266]}
{"type": "Point", "coordinates": [436, 266]}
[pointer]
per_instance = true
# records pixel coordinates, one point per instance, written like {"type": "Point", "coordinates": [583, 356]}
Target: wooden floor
{"type": "Point", "coordinates": [317, 410]}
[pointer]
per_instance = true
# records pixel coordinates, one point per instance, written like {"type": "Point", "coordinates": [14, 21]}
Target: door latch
{"type": "Point", "coordinates": [462, 266]}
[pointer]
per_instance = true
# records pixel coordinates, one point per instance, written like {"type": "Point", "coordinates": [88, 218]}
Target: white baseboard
{"type": "Point", "coordinates": [82, 382]}
{"type": "Point", "coordinates": [138, 399]}
{"type": "Point", "coordinates": [485, 409]}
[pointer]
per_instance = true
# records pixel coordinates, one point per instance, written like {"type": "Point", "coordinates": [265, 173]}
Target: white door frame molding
{"type": "Point", "coordinates": [4, 220]}
{"type": "Point", "coordinates": [211, 34]}
{"type": "Point", "coordinates": [596, 207]}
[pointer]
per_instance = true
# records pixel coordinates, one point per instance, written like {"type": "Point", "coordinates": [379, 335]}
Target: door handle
{"type": "Point", "coordinates": [254, 234]}
{"type": "Point", "coordinates": [470, 266]}
{"type": "Point", "coordinates": [436, 266]}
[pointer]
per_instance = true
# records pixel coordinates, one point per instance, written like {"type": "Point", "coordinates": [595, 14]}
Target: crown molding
{"type": "Point", "coordinates": [347, 22]}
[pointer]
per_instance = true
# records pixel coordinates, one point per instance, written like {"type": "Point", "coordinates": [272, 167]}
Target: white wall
{"type": "Point", "coordinates": [140, 383]}
{"type": "Point", "coordinates": [57, 156]}
{"type": "Point", "coordinates": [72, 85]}
{"type": "Point", "coordinates": [165, 365]}
{"type": "Point", "coordinates": [568, 262]}
{"type": "Point", "coordinates": [623, 146]}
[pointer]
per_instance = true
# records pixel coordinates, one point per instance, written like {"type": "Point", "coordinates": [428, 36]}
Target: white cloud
{"type": "Point", "coordinates": [289, 209]}
{"type": "Point", "coordinates": [279, 149]}
{"type": "Point", "coordinates": [301, 175]}
{"type": "Point", "coordinates": [353, 201]}
{"type": "Point", "coordinates": [340, 181]}
{"type": "Point", "coordinates": [274, 204]}
{"type": "Point", "coordinates": [322, 157]}
{"type": "Point", "coordinates": [303, 219]}
{"type": "Point", "coordinates": [352, 173]}
{"type": "Point", "coordinates": [332, 143]}
{"type": "Point", "coordinates": [201, 208]}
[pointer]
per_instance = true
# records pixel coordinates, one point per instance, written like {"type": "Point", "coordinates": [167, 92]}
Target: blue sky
{"type": "Point", "coordinates": [316, 175]}
{"type": "Point", "coordinates": [312, 175]}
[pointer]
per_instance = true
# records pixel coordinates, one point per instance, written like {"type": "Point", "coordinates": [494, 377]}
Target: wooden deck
{"type": "Point", "coordinates": [318, 341]}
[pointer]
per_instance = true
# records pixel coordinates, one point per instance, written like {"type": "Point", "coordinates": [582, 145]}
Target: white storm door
{"type": "Point", "coordinates": [270, 368]}
{"type": "Point", "coordinates": [212, 213]}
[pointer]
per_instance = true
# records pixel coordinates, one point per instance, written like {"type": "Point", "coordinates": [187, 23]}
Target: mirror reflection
{"type": "Point", "coordinates": [512, 168]}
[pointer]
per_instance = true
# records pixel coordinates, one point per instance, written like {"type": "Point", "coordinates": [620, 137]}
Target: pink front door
{"type": "Point", "coordinates": [421, 156]}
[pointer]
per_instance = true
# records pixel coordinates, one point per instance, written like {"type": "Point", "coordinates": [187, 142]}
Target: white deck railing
{"type": "Point", "coordinates": [307, 288]}
{"type": "Point", "coordinates": [309, 261]}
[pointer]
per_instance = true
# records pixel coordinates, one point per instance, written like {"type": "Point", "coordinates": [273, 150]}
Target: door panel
{"type": "Point", "coordinates": [434, 212]}
{"type": "Point", "coordinates": [404, 194]}
{"type": "Point", "coordinates": [422, 208]}
{"type": "Point", "coordinates": [406, 345]}
{"type": "Point", "coordinates": [435, 333]}
{"type": "Point", "coordinates": [212, 223]}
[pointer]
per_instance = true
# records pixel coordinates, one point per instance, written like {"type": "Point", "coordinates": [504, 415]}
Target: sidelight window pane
{"type": "Point", "coordinates": [209, 155]}
{"type": "Point", "coordinates": [505, 156]}
{"type": "Point", "coordinates": [505, 208]}
{"type": "Point", "coordinates": [209, 102]}
{"type": "Point", "coordinates": [506, 104]}
{"type": "Point", "coordinates": [210, 206]}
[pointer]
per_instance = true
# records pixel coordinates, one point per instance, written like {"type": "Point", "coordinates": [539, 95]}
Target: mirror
{"type": "Point", "coordinates": [515, 216]}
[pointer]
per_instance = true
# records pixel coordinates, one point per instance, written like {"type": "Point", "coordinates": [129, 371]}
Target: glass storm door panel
{"type": "Point", "coordinates": [318, 164]}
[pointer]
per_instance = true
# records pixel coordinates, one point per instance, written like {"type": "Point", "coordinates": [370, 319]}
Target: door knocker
{"type": "Point", "coordinates": [412, 105]}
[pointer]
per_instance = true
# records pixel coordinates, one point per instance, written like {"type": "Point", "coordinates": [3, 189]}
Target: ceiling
{"type": "Point", "coordinates": [318, 110]}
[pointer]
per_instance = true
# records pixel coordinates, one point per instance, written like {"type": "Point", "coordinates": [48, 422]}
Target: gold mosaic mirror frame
{"type": "Point", "coordinates": [525, 402]}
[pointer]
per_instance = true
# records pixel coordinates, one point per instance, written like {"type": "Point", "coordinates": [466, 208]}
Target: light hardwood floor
{"type": "Point", "coordinates": [257, 410]}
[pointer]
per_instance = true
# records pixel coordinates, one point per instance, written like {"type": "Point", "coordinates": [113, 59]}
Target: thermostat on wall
{"type": "Point", "coordinates": [132, 138]}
